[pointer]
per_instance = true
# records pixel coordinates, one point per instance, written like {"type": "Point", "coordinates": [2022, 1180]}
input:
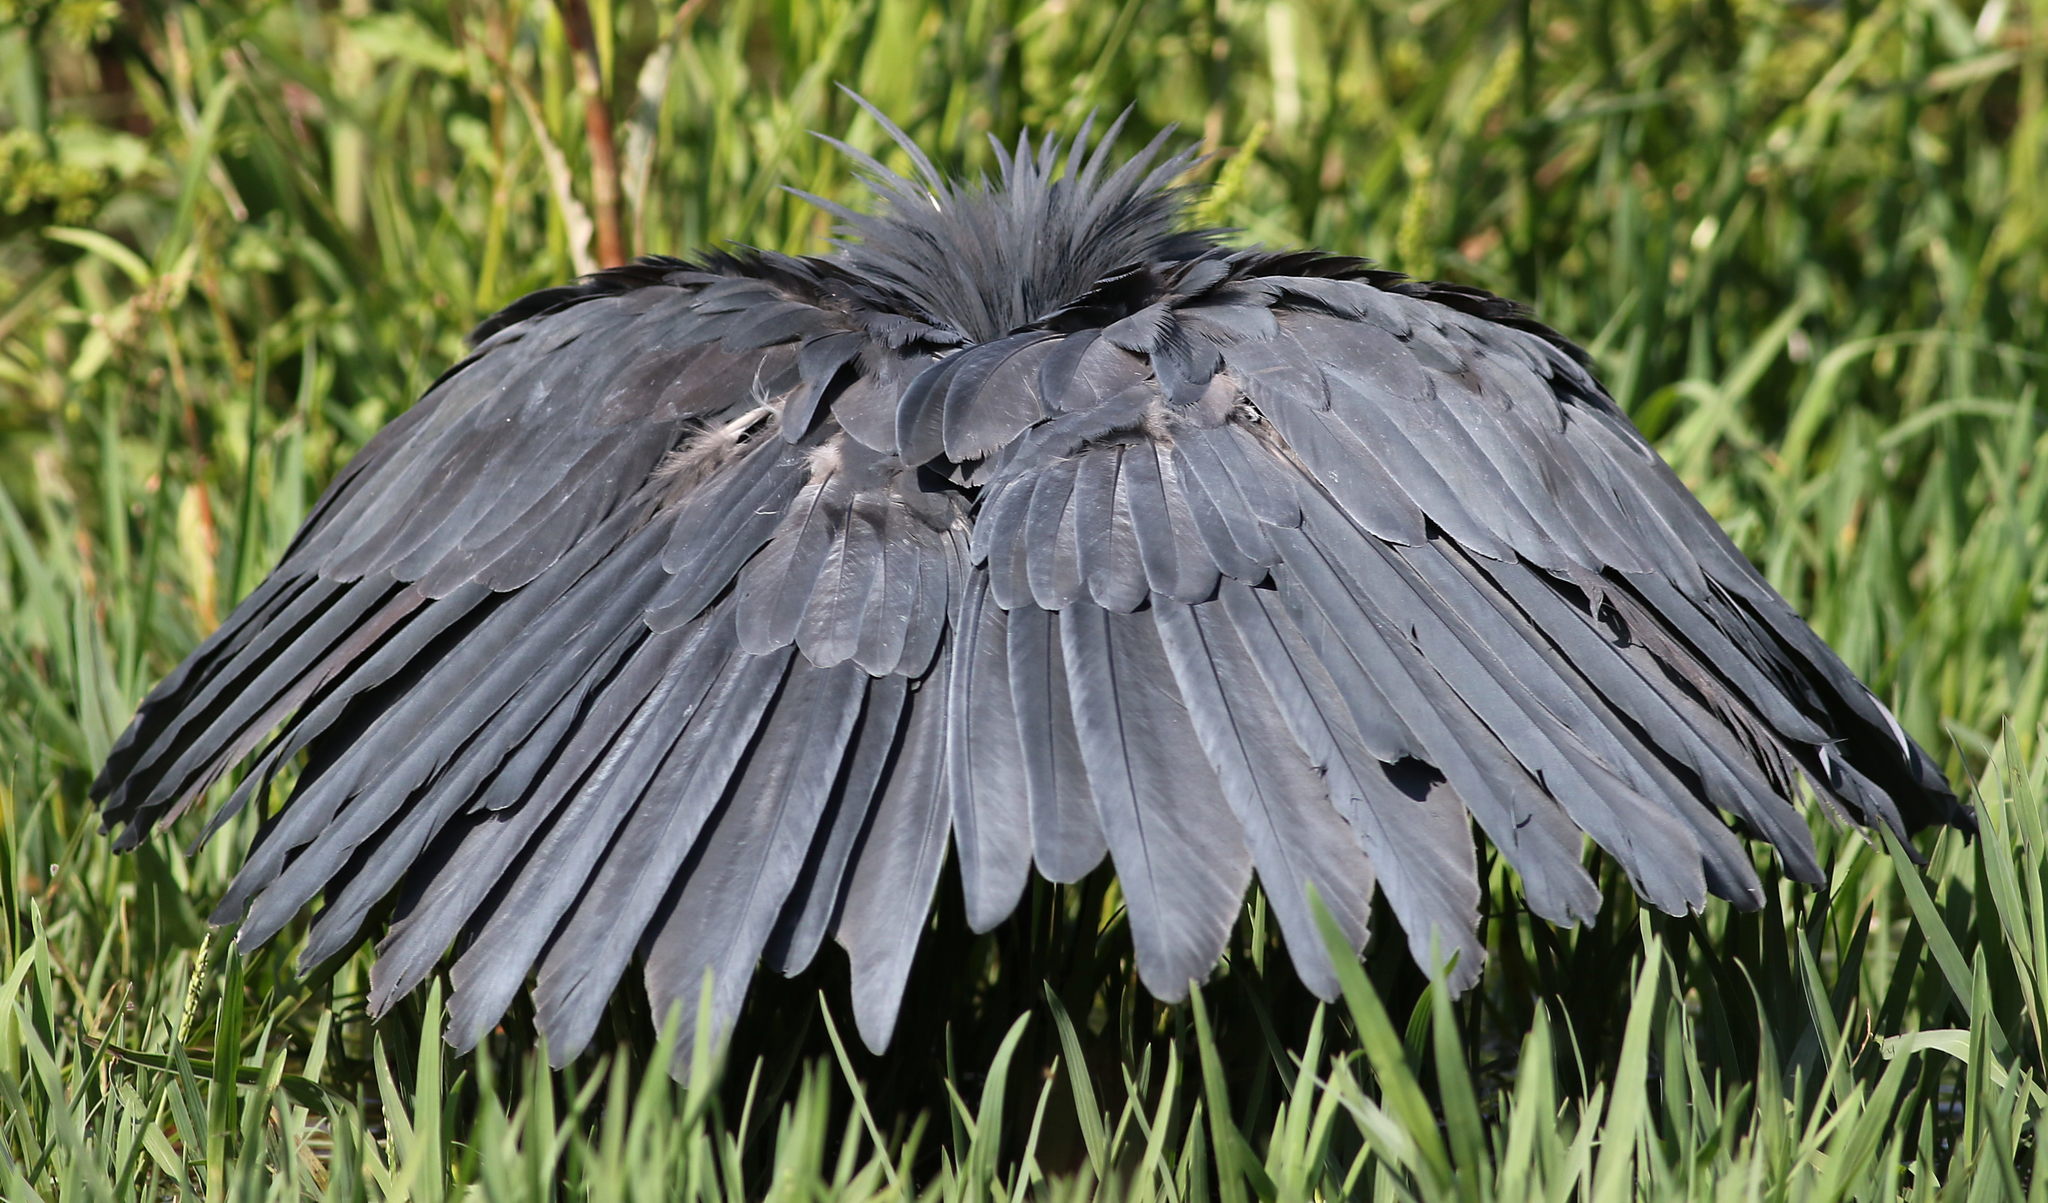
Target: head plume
{"type": "Point", "coordinates": [984, 257]}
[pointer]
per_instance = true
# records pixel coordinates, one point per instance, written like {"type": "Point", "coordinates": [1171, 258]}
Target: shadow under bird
{"type": "Point", "coordinates": [692, 617]}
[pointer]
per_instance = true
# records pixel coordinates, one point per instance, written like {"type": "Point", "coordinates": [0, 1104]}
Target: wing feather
{"type": "Point", "coordinates": [719, 527]}
{"type": "Point", "coordinates": [591, 793]}
{"type": "Point", "coordinates": [599, 935]}
{"type": "Point", "coordinates": [987, 407]}
{"type": "Point", "coordinates": [483, 689]}
{"type": "Point", "coordinates": [985, 765]}
{"type": "Point", "coordinates": [1177, 566]}
{"type": "Point", "coordinates": [230, 710]}
{"type": "Point", "coordinates": [1521, 818]}
{"type": "Point", "coordinates": [905, 544]}
{"type": "Point", "coordinates": [1656, 847]}
{"type": "Point", "coordinates": [1298, 843]}
{"type": "Point", "coordinates": [574, 762]}
{"type": "Point", "coordinates": [821, 889]}
{"type": "Point", "coordinates": [1050, 542]}
{"type": "Point", "coordinates": [1066, 835]}
{"type": "Point", "coordinates": [741, 873]}
{"type": "Point", "coordinates": [1108, 546]}
{"type": "Point", "coordinates": [1179, 851]}
{"type": "Point", "coordinates": [1410, 823]}
{"type": "Point", "coordinates": [895, 868]}
{"type": "Point", "coordinates": [849, 583]}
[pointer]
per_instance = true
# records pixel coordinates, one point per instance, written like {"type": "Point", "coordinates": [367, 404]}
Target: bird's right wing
{"type": "Point", "coordinates": [1301, 541]}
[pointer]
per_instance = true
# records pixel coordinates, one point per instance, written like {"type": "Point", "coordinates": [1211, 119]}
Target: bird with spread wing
{"type": "Point", "coordinates": [693, 618]}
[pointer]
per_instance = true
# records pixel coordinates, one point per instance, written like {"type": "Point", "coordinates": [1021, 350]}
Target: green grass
{"type": "Point", "coordinates": [1806, 242]}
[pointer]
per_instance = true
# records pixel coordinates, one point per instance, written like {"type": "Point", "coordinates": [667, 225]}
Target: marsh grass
{"type": "Point", "coordinates": [1805, 241]}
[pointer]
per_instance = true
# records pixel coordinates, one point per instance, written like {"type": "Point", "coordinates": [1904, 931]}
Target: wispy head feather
{"type": "Point", "coordinates": [984, 257]}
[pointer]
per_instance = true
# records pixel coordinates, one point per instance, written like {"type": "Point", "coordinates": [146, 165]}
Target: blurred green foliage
{"type": "Point", "coordinates": [1805, 241]}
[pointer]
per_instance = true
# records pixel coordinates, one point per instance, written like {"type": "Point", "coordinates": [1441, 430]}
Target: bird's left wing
{"type": "Point", "coordinates": [613, 645]}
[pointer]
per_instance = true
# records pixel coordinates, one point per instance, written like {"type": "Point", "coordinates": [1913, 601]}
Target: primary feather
{"type": "Point", "coordinates": [693, 617]}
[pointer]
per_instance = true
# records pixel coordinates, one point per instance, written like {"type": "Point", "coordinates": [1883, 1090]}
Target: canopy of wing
{"type": "Point", "coordinates": [693, 615]}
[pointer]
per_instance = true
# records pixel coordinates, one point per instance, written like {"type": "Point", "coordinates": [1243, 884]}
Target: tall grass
{"type": "Point", "coordinates": [1806, 242]}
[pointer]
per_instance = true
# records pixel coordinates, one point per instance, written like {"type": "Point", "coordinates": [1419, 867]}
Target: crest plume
{"type": "Point", "coordinates": [984, 257]}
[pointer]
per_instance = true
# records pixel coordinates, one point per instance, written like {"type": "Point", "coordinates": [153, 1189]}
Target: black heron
{"type": "Point", "coordinates": [694, 615]}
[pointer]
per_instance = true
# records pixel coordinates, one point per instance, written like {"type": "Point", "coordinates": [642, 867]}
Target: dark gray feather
{"type": "Point", "coordinates": [1298, 843]}
{"type": "Point", "coordinates": [821, 888]}
{"type": "Point", "coordinates": [985, 765]}
{"type": "Point", "coordinates": [1066, 835]}
{"type": "Point", "coordinates": [1179, 851]}
{"type": "Point", "coordinates": [896, 868]}
{"type": "Point", "coordinates": [734, 885]}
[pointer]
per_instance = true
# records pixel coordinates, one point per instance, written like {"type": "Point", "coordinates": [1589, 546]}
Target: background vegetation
{"type": "Point", "coordinates": [1805, 240]}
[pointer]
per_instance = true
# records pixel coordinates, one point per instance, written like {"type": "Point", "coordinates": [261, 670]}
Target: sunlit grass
{"type": "Point", "coordinates": [1805, 241]}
